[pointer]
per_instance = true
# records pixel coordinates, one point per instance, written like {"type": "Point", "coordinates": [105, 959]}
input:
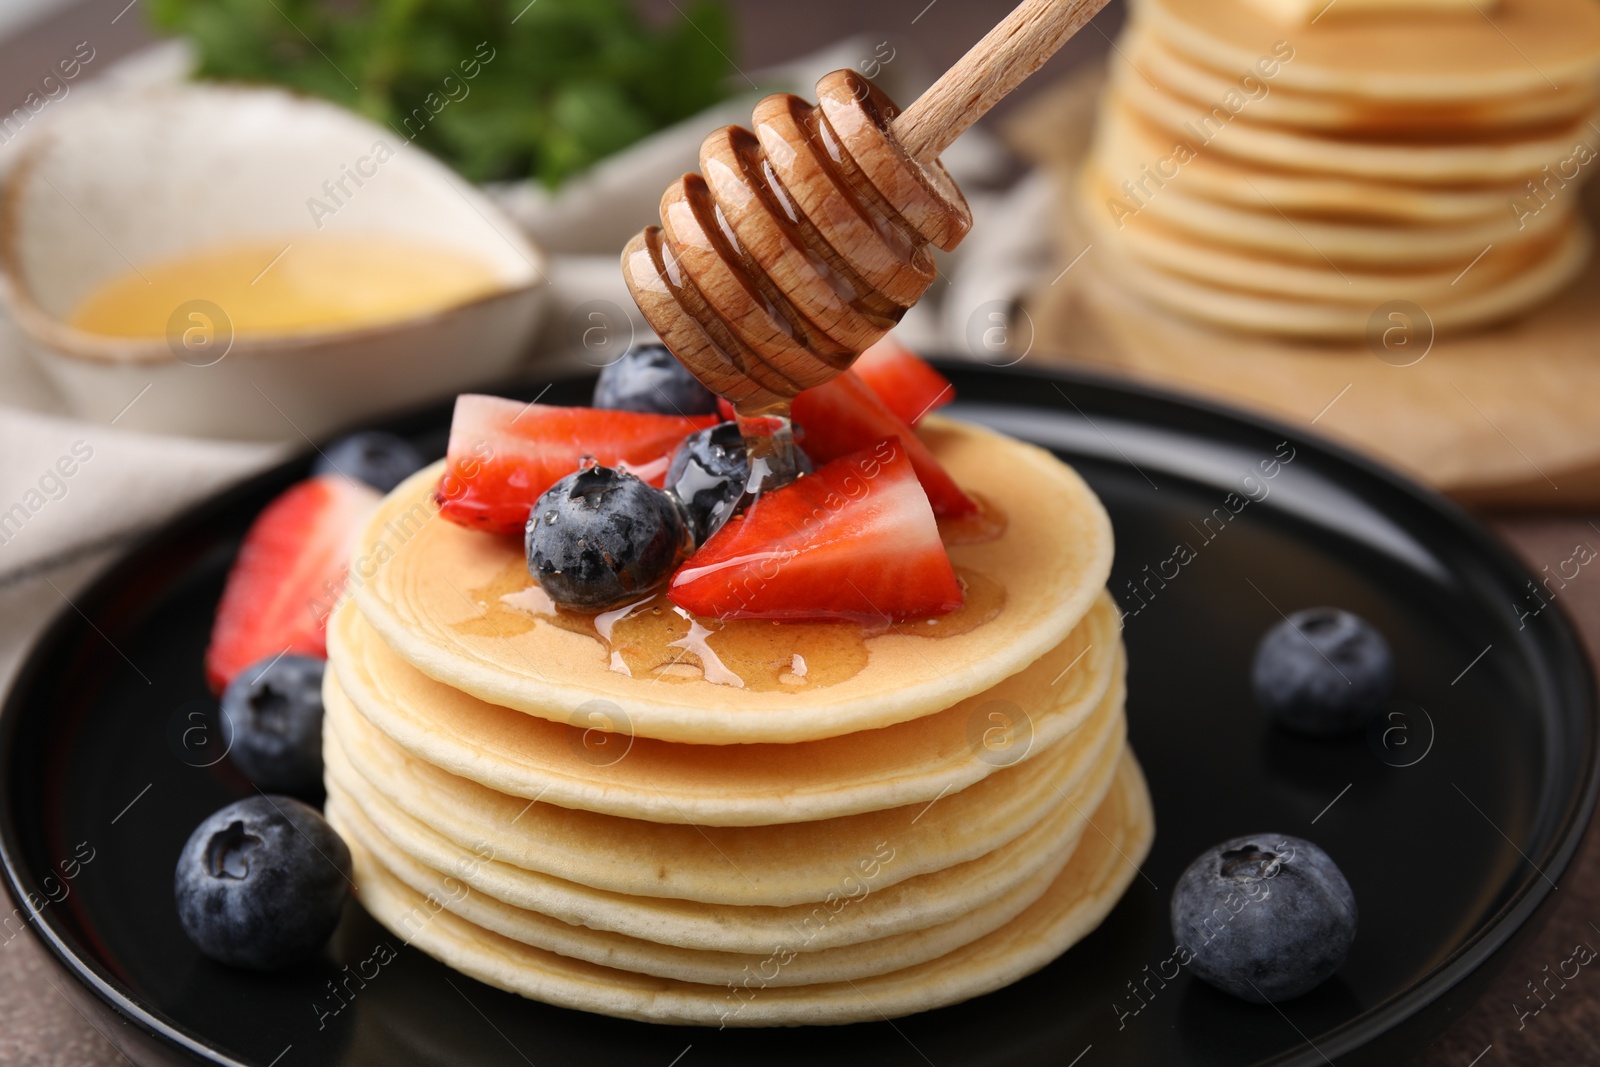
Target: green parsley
{"type": "Point", "coordinates": [499, 89]}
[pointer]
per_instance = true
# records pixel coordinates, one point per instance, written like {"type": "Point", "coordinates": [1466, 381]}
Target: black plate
{"type": "Point", "coordinates": [1452, 824]}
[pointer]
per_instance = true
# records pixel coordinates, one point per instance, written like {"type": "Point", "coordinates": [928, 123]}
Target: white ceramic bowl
{"type": "Point", "coordinates": [136, 177]}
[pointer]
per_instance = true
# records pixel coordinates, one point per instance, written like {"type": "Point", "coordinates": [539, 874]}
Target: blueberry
{"type": "Point", "coordinates": [600, 538]}
{"type": "Point", "coordinates": [260, 883]}
{"type": "Point", "coordinates": [651, 379]}
{"type": "Point", "coordinates": [1322, 671]}
{"type": "Point", "coordinates": [380, 459]}
{"type": "Point", "coordinates": [272, 724]}
{"type": "Point", "coordinates": [708, 475]}
{"type": "Point", "coordinates": [1266, 917]}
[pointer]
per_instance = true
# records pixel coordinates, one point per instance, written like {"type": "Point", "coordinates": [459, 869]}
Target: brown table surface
{"type": "Point", "coordinates": [39, 1028]}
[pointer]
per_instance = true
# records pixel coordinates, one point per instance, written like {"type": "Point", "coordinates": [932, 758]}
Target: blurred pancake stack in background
{"type": "Point", "coordinates": [1286, 166]}
{"type": "Point", "coordinates": [1372, 219]}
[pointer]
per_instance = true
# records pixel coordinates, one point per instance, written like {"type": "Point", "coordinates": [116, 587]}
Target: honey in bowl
{"type": "Point", "coordinates": [291, 285]}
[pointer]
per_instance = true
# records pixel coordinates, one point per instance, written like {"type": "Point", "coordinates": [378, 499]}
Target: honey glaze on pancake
{"type": "Point", "coordinates": [656, 639]}
{"type": "Point", "coordinates": [987, 523]}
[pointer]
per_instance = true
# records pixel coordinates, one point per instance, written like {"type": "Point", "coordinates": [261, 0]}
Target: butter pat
{"type": "Point", "coordinates": [1307, 11]}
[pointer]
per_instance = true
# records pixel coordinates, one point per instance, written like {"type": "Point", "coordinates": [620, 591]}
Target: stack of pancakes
{"type": "Point", "coordinates": [886, 822]}
{"type": "Point", "coordinates": [1293, 174]}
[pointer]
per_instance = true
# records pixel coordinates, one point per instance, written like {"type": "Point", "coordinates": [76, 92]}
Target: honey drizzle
{"type": "Point", "coordinates": [988, 523]}
{"type": "Point", "coordinates": [771, 449]}
{"type": "Point", "coordinates": [656, 640]}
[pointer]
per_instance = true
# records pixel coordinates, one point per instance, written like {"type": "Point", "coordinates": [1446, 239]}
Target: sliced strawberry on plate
{"type": "Point", "coordinates": [905, 382]}
{"type": "Point", "coordinates": [503, 454]}
{"type": "Point", "coordinates": [845, 415]}
{"type": "Point", "coordinates": [288, 576]}
{"type": "Point", "coordinates": [856, 539]}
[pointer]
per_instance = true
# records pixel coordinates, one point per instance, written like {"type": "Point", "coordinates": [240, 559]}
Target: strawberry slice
{"type": "Point", "coordinates": [904, 381]}
{"type": "Point", "coordinates": [845, 415]}
{"type": "Point", "coordinates": [503, 454]}
{"type": "Point", "coordinates": [856, 539]}
{"type": "Point", "coordinates": [288, 576]}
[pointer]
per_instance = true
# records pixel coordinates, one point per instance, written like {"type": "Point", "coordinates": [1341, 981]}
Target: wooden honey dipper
{"type": "Point", "coordinates": [799, 245]}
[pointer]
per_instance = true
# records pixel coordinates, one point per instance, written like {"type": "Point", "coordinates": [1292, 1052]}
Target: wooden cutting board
{"type": "Point", "coordinates": [1507, 417]}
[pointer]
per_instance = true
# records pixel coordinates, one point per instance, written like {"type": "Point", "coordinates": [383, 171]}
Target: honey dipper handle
{"type": "Point", "coordinates": [993, 67]}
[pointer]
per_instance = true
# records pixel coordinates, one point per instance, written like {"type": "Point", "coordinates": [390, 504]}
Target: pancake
{"type": "Point", "coordinates": [1327, 318]}
{"type": "Point", "coordinates": [758, 784]}
{"type": "Point", "coordinates": [1147, 241]}
{"type": "Point", "coordinates": [1423, 57]}
{"type": "Point", "coordinates": [1080, 897]}
{"type": "Point", "coordinates": [1322, 243]}
{"type": "Point", "coordinates": [782, 865]}
{"type": "Point", "coordinates": [1207, 257]}
{"type": "Point", "coordinates": [1202, 87]}
{"type": "Point", "coordinates": [1494, 155]}
{"type": "Point", "coordinates": [415, 580]}
{"type": "Point", "coordinates": [507, 899]}
{"type": "Point", "coordinates": [840, 964]}
{"type": "Point", "coordinates": [914, 904]}
{"type": "Point", "coordinates": [1126, 143]}
{"type": "Point", "coordinates": [808, 966]}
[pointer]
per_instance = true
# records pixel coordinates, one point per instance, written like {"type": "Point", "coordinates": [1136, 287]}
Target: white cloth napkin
{"type": "Point", "coordinates": [58, 528]}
